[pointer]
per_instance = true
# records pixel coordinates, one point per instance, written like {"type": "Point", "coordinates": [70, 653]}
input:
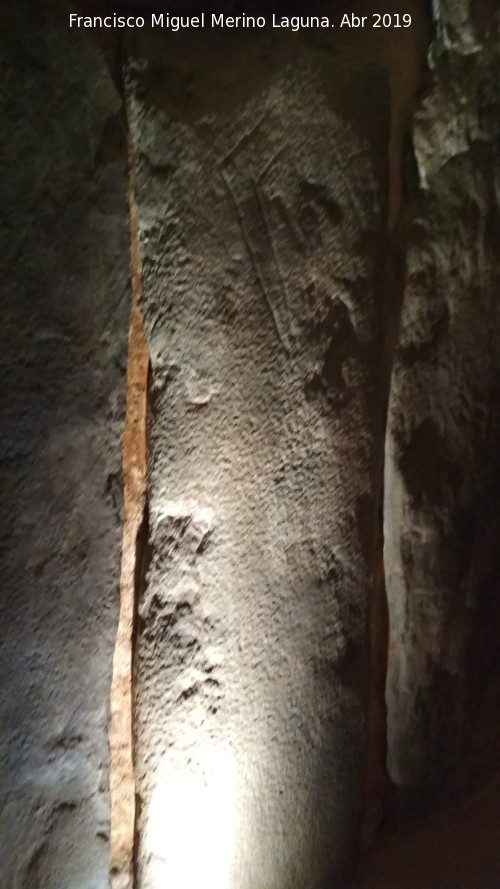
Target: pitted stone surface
{"type": "Point", "coordinates": [261, 196]}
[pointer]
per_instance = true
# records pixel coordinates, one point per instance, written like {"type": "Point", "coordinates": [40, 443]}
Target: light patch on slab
{"type": "Point", "coordinates": [191, 824]}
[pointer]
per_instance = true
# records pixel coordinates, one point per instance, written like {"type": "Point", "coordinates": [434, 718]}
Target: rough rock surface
{"type": "Point", "coordinates": [65, 305]}
{"type": "Point", "coordinates": [261, 196]}
{"type": "Point", "coordinates": [442, 530]}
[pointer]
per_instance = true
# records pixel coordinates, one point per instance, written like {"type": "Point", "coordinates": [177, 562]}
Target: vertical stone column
{"type": "Point", "coordinates": [442, 480]}
{"type": "Point", "coordinates": [65, 306]}
{"type": "Point", "coordinates": [261, 192]}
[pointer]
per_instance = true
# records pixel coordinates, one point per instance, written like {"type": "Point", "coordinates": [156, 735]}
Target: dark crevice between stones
{"type": "Point", "coordinates": [404, 200]}
{"type": "Point", "coordinates": [142, 562]}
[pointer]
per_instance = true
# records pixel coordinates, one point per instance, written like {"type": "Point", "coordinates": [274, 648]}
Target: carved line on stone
{"type": "Point", "coordinates": [243, 139]}
{"type": "Point", "coordinates": [272, 309]}
{"type": "Point", "coordinates": [275, 253]}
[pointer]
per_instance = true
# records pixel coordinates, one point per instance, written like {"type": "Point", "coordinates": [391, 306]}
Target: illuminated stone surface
{"type": "Point", "coordinates": [64, 316]}
{"type": "Point", "coordinates": [261, 218]}
{"type": "Point", "coordinates": [261, 188]}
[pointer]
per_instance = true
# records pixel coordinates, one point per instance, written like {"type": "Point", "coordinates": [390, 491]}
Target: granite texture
{"type": "Point", "coordinates": [261, 187]}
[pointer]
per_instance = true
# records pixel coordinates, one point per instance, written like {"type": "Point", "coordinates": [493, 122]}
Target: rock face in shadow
{"type": "Point", "coordinates": [261, 191]}
{"type": "Point", "coordinates": [458, 849]}
{"type": "Point", "coordinates": [65, 304]}
{"type": "Point", "coordinates": [442, 528]}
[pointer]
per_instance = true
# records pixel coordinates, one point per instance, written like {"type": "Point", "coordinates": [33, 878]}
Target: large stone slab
{"type": "Point", "coordinates": [442, 479]}
{"type": "Point", "coordinates": [65, 305]}
{"type": "Point", "coordinates": [261, 193]}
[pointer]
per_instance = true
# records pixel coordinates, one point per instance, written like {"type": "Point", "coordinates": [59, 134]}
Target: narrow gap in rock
{"type": "Point", "coordinates": [376, 774]}
{"type": "Point", "coordinates": [142, 560]}
{"type": "Point", "coordinates": [135, 532]}
{"type": "Point", "coordinates": [406, 67]}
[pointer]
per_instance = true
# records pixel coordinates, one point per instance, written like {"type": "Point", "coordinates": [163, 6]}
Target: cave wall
{"type": "Point", "coordinates": [64, 316]}
{"type": "Point", "coordinates": [261, 192]}
{"type": "Point", "coordinates": [442, 530]}
{"type": "Point", "coordinates": [263, 197]}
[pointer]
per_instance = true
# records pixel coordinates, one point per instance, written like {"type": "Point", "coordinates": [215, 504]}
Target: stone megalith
{"type": "Point", "coordinates": [442, 479]}
{"type": "Point", "coordinates": [261, 192]}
